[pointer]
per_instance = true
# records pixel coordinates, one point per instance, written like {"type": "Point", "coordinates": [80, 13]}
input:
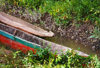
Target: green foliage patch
{"type": "Point", "coordinates": [64, 11]}
{"type": "Point", "coordinates": [46, 59]}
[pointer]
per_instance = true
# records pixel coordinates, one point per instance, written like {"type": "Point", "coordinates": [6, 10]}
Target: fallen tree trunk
{"type": "Point", "coordinates": [23, 25]}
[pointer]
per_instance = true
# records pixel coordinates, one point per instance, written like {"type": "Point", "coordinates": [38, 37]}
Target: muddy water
{"type": "Point", "coordinates": [72, 44]}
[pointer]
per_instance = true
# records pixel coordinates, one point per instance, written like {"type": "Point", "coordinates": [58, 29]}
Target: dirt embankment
{"type": "Point", "coordinates": [79, 32]}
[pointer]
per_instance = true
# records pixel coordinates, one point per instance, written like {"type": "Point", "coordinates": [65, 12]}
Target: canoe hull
{"type": "Point", "coordinates": [17, 39]}
{"type": "Point", "coordinates": [15, 45]}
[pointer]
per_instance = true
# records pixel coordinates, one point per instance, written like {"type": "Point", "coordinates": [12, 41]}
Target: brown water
{"type": "Point", "coordinates": [72, 44]}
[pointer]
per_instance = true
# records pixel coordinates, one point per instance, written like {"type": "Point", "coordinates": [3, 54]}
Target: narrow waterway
{"type": "Point", "coordinates": [72, 44]}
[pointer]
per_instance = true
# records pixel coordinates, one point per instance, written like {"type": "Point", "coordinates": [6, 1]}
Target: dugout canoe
{"type": "Point", "coordinates": [24, 41]}
{"type": "Point", "coordinates": [24, 26]}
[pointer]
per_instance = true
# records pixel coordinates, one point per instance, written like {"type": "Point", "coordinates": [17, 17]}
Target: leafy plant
{"type": "Point", "coordinates": [96, 33]}
{"type": "Point", "coordinates": [45, 58]}
{"type": "Point", "coordinates": [70, 59]}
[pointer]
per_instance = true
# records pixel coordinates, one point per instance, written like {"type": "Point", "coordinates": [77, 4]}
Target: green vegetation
{"type": "Point", "coordinates": [64, 11]}
{"type": "Point", "coordinates": [96, 33]}
{"type": "Point", "coordinates": [46, 59]}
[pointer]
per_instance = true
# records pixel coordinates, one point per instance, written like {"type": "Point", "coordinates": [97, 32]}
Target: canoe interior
{"type": "Point", "coordinates": [7, 35]}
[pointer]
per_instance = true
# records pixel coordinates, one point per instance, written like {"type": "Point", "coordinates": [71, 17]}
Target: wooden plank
{"type": "Point", "coordinates": [23, 25]}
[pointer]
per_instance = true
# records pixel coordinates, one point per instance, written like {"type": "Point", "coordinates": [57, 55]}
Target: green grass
{"type": "Point", "coordinates": [64, 11]}
{"type": "Point", "coordinates": [46, 59]}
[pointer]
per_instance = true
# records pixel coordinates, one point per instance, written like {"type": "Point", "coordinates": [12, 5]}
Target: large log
{"type": "Point", "coordinates": [23, 25]}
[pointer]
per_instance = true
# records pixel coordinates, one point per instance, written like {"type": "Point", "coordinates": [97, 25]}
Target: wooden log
{"type": "Point", "coordinates": [23, 25]}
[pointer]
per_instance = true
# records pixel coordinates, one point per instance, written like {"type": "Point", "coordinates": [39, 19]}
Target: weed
{"type": "Point", "coordinates": [96, 33]}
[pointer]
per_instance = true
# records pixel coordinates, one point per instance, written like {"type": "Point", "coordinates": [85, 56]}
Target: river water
{"type": "Point", "coordinates": [72, 44]}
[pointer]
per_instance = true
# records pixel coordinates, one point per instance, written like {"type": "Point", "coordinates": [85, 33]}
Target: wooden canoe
{"type": "Point", "coordinates": [15, 45]}
{"type": "Point", "coordinates": [31, 41]}
{"type": "Point", "coordinates": [23, 25]}
{"type": "Point", "coordinates": [6, 31]}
